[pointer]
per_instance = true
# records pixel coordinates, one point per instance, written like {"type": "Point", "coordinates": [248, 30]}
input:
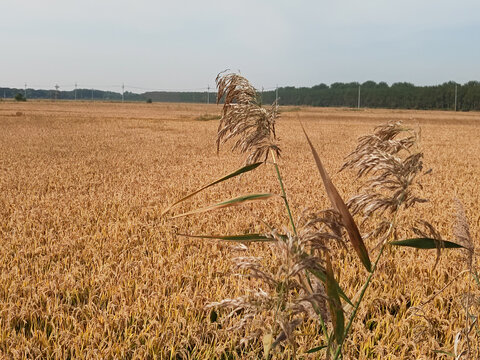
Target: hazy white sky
{"type": "Point", "coordinates": [183, 44]}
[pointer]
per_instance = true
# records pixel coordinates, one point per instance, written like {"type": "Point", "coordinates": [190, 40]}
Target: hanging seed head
{"type": "Point", "coordinates": [244, 119]}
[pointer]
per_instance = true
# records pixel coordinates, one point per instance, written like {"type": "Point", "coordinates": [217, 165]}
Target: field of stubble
{"type": "Point", "coordinates": [90, 269]}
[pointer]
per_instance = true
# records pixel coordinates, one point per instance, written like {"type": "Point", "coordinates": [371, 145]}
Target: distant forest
{"type": "Point", "coordinates": [372, 95]}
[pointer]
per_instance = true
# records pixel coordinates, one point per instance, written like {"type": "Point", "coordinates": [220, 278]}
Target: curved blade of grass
{"type": "Point", "coordinates": [333, 299]}
{"type": "Point", "coordinates": [228, 203]}
{"type": "Point", "coordinates": [226, 177]}
{"type": "Point", "coordinates": [475, 277]}
{"type": "Point", "coordinates": [320, 275]}
{"type": "Point", "coordinates": [316, 349]}
{"type": "Point", "coordinates": [426, 243]}
{"type": "Point", "coordinates": [237, 238]}
{"type": "Point", "coordinates": [339, 205]}
{"type": "Point", "coordinates": [444, 353]}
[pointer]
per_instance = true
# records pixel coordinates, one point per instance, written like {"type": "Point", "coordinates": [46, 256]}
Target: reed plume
{"type": "Point", "coordinates": [287, 297]}
{"type": "Point", "coordinates": [244, 119]}
{"type": "Point", "coordinates": [389, 164]}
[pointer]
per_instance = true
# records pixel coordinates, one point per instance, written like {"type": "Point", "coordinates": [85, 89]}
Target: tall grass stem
{"type": "Point", "coordinates": [357, 305]}
{"type": "Point", "coordinates": [284, 194]}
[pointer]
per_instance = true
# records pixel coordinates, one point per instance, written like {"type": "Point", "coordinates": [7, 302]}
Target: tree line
{"type": "Point", "coordinates": [400, 95]}
{"type": "Point", "coordinates": [381, 95]}
{"type": "Point", "coordinates": [81, 94]}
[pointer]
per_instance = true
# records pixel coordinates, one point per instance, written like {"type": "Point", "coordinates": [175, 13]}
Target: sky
{"type": "Point", "coordinates": [183, 44]}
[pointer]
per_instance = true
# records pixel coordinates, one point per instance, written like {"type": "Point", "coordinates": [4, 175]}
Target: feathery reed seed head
{"type": "Point", "coordinates": [286, 298]}
{"type": "Point", "coordinates": [244, 119]}
{"type": "Point", "coordinates": [393, 167]}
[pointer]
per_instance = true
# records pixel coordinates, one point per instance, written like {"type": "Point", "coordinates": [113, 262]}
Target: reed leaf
{"type": "Point", "coordinates": [322, 276]}
{"type": "Point", "coordinates": [228, 203]}
{"type": "Point", "coordinates": [236, 238]}
{"type": "Point", "coordinates": [316, 349]}
{"type": "Point", "coordinates": [426, 243]}
{"type": "Point", "coordinates": [237, 172]}
{"type": "Point", "coordinates": [444, 353]}
{"type": "Point", "coordinates": [339, 205]}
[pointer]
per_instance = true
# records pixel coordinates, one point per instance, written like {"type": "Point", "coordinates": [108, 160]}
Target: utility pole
{"type": "Point", "coordinates": [25, 90]}
{"type": "Point", "coordinates": [455, 97]}
{"type": "Point", "coordinates": [56, 91]}
{"type": "Point", "coordinates": [75, 91]}
{"type": "Point", "coordinates": [358, 104]}
{"type": "Point", "coordinates": [208, 94]}
{"type": "Point", "coordinates": [123, 92]}
{"type": "Point", "coordinates": [92, 94]}
{"type": "Point", "coordinates": [276, 99]}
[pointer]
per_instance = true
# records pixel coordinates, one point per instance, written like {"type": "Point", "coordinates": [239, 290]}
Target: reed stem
{"type": "Point", "coordinates": [284, 194]}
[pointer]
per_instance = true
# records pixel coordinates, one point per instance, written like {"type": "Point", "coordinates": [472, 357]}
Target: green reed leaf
{"type": "Point", "coordinates": [444, 353]}
{"type": "Point", "coordinates": [240, 171]}
{"type": "Point", "coordinates": [316, 349]}
{"type": "Point", "coordinates": [228, 203]}
{"type": "Point", "coordinates": [322, 276]}
{"type": "Point", "coordinates": [426, 243]}
{"type": "Point", "coordinates": [237, 238]}
{"type": "Point", "coordinates": [339, 205]}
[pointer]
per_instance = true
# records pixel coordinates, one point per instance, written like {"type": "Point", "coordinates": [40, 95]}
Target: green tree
{"type": "Point", "coordinates": [20, 97]}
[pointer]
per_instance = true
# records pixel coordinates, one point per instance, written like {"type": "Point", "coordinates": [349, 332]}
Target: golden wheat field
{"type": "Point", "coordinates": [91, 269]}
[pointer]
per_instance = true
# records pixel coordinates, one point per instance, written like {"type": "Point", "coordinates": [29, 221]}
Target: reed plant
{"type": "Point", "coordinates": [300, 282]}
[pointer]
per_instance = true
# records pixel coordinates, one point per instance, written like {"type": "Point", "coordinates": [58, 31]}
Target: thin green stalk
{"type": "Point", "coordinates": [323, 325]}
{"type": "Point", "coordinates": [357, 305]}
{"type": "Point", "coordinates": [287, 206]}
{"type": "Point", "coordinates": [284, 194]}
{"type": "Point", "coordinates": [317, 310]}
{"type": "Point", "coordinates": [365, 286]}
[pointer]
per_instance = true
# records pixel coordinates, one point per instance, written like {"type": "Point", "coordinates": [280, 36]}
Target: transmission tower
{"type": "Point", "coordinates": [123, 92]}
{"type": "Point", "coordinates": [25, 90]}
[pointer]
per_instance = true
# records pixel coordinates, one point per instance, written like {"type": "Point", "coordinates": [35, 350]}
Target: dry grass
{"type": "Point", "coordinates": [89, 268]}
